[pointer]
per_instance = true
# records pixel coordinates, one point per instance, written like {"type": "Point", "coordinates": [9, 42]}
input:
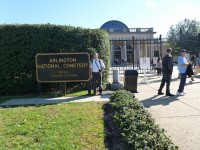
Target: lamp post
{"type": "Point", "coordinates": [133, 38]}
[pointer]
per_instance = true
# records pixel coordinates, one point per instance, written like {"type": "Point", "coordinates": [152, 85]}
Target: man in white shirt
{"type": "Point", "coordinates": [97, 67]}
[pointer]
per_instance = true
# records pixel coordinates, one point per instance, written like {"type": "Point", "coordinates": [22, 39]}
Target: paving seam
{"type": "Point", "coordinates": [189, 105]}
{"type": "Point", "coordinates": [180, 116]}
{"type": "Point", "coordinates": [193, 91]}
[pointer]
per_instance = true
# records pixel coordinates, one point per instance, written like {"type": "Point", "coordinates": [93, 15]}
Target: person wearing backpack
{"type": "Point", "coordinates": [97, 67]}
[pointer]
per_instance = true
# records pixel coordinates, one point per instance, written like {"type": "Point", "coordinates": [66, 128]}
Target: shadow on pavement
{"type": "Point", "coordinates": [158, 80]}
{"type": "Point", "coordinates": [157, 100]}
{"type": "Point", "coordinates": [192, 82]}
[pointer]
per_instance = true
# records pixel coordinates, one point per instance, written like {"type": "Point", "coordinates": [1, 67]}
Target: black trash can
{"type": "Point", "coordinates": [130, 80]}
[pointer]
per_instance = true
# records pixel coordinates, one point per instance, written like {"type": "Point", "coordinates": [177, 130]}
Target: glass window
{"type": "Point", "coordinates": [156, 53]}
{"type": "Point", "coordinates": [117, 54]}
{"type": "Point", "coordinates": [129, 53]}
{"type": "Point", "coordinates": [129, 56]}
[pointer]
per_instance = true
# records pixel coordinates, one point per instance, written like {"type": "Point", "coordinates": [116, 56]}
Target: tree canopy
{"type": "Point", "coordinates": [188, 39]}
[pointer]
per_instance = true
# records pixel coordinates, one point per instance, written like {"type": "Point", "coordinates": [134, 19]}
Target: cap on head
{"type": "Point", "coordinates": [183, 50]}
{"type": "Point", "coordinates": [169, 50]}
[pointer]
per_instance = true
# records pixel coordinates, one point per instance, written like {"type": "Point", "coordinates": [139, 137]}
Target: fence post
{"type": "Point", "coordinates": [160, 38]}
{"type": "Point", "coordinates": [39, 88]}
{"type": "Point", "coordinates": [89, 88]}
{"type": "Point", "coordinates": [133, 38]}
{"type": "Point", "coordinates": [64, 88]}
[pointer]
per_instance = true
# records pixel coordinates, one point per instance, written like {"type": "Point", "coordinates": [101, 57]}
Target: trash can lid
{"type": "Point", "coordinates": [131, 72]}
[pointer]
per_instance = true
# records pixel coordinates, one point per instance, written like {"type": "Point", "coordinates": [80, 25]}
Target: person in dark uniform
{"type": "Point", "coordinates": [189, 70]}
{"type": "Point", "coordinates": [97, 67]}
{"type": "Point", "coordinates": [167, 69]}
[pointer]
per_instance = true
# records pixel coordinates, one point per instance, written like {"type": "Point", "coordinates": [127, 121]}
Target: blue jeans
{"type": "Point", "coordinates": [182, 82]}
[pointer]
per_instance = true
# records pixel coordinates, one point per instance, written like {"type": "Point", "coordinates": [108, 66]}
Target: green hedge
{"type": "Point", "coordinates": [136, 125]}
{"type": "Point", "coordinates": [20, 43]}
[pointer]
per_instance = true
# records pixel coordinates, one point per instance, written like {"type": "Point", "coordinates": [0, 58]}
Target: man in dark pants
{"type": "Point", "coordinates": [167, 69]}
{"type": "Point", "coordinates": [97, 67]}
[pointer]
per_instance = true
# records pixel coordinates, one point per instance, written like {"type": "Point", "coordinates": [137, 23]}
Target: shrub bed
{"type": "Point", "coordinates": [136, 125]}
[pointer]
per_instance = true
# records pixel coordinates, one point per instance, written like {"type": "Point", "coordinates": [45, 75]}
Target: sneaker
{"type": "Point", "coordinates": [180, 94]}
{"type": "Point", "coordinates": [192, 78]}
{"type": "Point", "coordinates": [160, 93]}
{"type": "Point", "coordinates": [184, 92]}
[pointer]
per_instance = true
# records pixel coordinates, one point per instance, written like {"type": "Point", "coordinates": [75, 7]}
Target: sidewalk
{"type": "Point", "coordinates": [48, 101]}
{"type": "Point", "coordinates": [178, 115]}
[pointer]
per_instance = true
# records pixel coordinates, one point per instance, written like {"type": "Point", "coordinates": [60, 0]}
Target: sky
{"type": "Point", "coordinates": [159, 14]}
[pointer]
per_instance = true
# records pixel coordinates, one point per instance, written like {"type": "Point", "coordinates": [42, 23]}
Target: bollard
{"type": "Point", "coordinates": [116, 84]}
{"type": "Point", "coordinates": [116, 76]}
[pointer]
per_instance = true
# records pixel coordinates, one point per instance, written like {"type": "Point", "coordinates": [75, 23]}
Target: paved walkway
{"type": "Point", "coordinates": [49, 101]}
{"type": "Point", "coordinates": [179, 115]}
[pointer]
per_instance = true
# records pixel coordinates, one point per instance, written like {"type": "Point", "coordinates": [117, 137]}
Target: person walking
{"type": "Point", "coordinates": [189, 70]}
{"type": "Point", "coordinates": [182, 66]}
{"type": "Point", "coordinates": [159, 66]}
{"type": "Point", "coordinates": [167, 69]}
{"type": "Point", "coordinates": [97, 67]}
{"type": "Point", "coordinates": [197, 66]}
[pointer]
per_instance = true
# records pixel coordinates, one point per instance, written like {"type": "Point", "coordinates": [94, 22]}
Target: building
{"type": "Point", "coordinates": [127, 45]}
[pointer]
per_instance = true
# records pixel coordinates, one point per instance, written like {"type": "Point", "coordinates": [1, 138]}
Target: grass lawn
{"type": "Point", "coordinates": [79, 93]}
{"type": "Point", "coordinates": [70, 126]}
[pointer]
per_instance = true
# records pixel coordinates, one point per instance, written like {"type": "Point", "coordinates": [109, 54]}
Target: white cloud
{"type": "Point", "coordinates": [150, 3]}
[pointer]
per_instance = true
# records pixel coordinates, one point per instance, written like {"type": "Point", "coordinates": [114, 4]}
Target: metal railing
{"type": "Point", "coordinates": [141, 30]}
{"type": "Point", "coordinates": [123, 67]}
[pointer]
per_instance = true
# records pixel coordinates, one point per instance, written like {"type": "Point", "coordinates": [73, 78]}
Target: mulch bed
{"type": "Point", "coordinates": [113, 140]}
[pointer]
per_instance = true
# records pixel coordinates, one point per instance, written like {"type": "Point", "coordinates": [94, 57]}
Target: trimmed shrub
{"type": "Point", "coordinates": [136, 125]}
{"type": "Point", "coordinates": [20, 43]}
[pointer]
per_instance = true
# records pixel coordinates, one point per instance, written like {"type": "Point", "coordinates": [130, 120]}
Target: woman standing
{"type": "Point", "coordinates": [159, 66]}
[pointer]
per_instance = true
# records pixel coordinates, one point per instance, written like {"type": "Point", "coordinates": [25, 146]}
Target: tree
{"type": "Point", "coordinates": [189, 37]}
